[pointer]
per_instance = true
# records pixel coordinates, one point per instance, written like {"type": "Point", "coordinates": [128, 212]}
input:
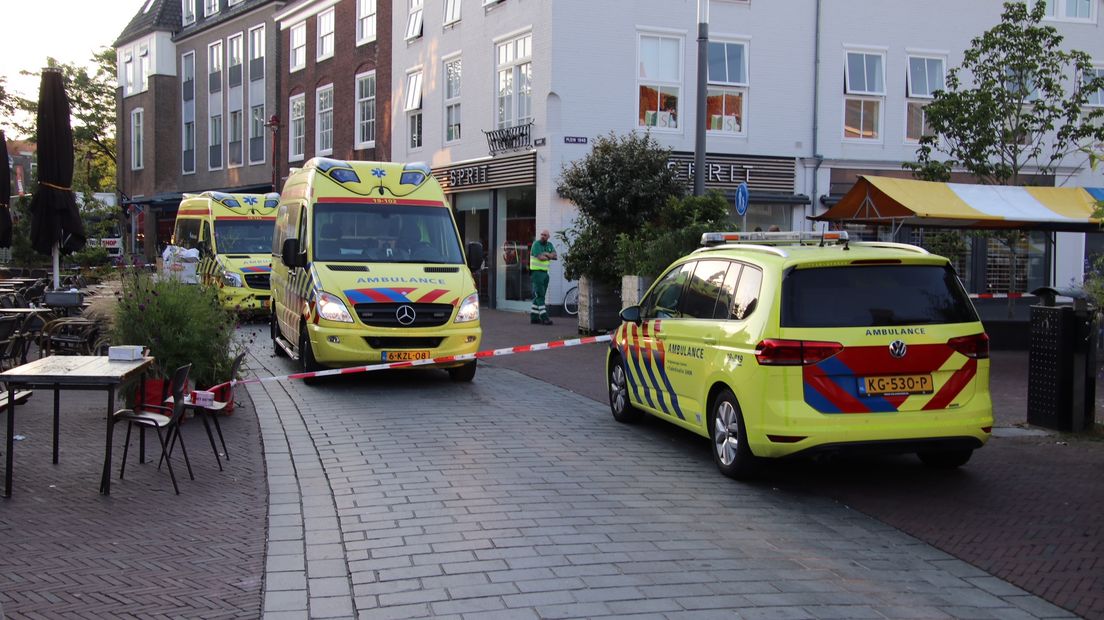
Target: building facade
{"type": "Point", "coordinates": [499, 95]}
{"type": "Point", "coordinates": [335, 81]}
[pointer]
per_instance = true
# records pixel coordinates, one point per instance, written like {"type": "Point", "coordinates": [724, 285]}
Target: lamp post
{"type": "Point", "coordinates": [274, 124]}
{"type": "Point", "coordinates": [699, 133]}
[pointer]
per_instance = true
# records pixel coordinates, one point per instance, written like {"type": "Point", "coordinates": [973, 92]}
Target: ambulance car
{"type": "Point", "coordinates": [233, 234]}
{"type": "Point", "coordinates": [777, 344]}
{"type": "Point", "coordinates": [368, 267]}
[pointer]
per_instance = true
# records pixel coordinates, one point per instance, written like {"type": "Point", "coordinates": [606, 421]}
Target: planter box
{"type": "Point", "coordinates": [633, 289]}
{"type": "Point", "coordinates": [599, 307]}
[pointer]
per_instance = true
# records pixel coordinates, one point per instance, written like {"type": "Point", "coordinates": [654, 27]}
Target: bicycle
{"type": "Point", "coordinates": [571, 301]}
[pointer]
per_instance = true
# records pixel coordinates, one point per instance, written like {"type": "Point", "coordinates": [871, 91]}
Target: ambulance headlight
{"type": "Point", "coordinates": [469, 310]}
{"type": "Point", "coordinates": [331, 308]}
{"type": "Point", "coordinates": [229, 278]}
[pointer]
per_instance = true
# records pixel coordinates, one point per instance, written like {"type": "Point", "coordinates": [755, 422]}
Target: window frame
{"type": "Point", "coordinates": [363, 16]}
{"type": "Point", "coordinates": [915, 99]}
{"type": "Point", "coordinates": [321, 53]}
{"type": "Point", "coordinates": [1058, 11]}
{"type": "Point", "coordinates": [414, 21]}
{"type": "Point", "coordinates": [358, 144]}
{"type": "Point", "coordinates": [740, 88]}
{"type": "Point", "coordinates": [207, 10]}
{"type": "Point", "coordinates": [143, 67]}
{"type": "Point", "coordinates": [187, 12]}
{"type": "Point", "coordinates": [301, 30]}
{"type": "Point", "coordinates": [184, 146]}
{"type": "Point", "coordinates": [453, 10]}
{"type": "Point", "coordinates": [292, 100]}
{"type": "Point", "coordinates": [453, 102]}
{"type": "Point", "coordinates": [211, 140]}
{"type": "Point", "coordinates": [678, 85]}
{"type": "Point", "coordinates": [412, 109]}
{"type": "Point", "coordinates": [880, 137]}
{"type": "Point", "coordinates": [514, 67]}
{"type": "Point", "coordinates": [318, 112]}
{"type": "Point", "coordinates": [866, 52]}
{"type": "Point", "coordinates": [253, 48]}
{"type": "Point", "coordinates": [211, 56]}
{"type": "Point", "coordinates": [137, 139]}
{"type": "Point", "coordinates": [235, 40]}
{"type": "Point", "coordinates": [229, 131]}
{"type": "Point", "coordinates": [1099, 70]}
{"type": "Point", "coordinates": [128, 73]}
{"type": "Point", "coordinates": [264, 120]}
{"type": "Point", "coordinates": [864, 95]}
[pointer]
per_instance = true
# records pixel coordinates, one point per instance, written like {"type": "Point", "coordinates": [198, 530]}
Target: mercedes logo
{"type": "Point", "coordinates": [405, 315]}
{"type": "Point", "coordinates": [898, 348]}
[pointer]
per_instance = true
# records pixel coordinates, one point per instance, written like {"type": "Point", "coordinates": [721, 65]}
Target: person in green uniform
{"type": "Point", "coordinates": [540, 257]}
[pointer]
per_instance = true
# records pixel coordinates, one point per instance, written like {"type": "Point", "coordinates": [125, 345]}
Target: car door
{"type": "Point", "coordinates": [650, 384]}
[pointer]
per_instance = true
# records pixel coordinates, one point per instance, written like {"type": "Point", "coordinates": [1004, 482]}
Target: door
{"type": "Point", "coordinates": [516, 214]}
{"type": "Point", "coordinates": [473, 217]}
{"type": "Point", "coordinates": [647, 364]}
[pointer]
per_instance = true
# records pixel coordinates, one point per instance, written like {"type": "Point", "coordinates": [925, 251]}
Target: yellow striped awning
{"type": "Point", "coordinates": [884, 200]}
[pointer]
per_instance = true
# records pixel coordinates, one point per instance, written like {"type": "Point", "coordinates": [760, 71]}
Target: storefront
{"type": "Point", "coordinates": [495, 204]}
{"type": "Point", "coordinates": [770, 181]}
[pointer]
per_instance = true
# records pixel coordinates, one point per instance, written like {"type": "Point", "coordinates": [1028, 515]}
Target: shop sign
{"type": "Point", "coordinates": [470, 175]}
{"type": "Point", "coordinates": [720, 173]}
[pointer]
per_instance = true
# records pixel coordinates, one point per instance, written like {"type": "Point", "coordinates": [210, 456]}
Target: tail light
{"type": "Point", "coordinates": [974, 345]}
{"type": "Point", "coordinates": [772, 352]}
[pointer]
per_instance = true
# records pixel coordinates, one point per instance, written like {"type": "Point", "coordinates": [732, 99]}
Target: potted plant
{"type": "Point", "coordinates": [618, 187]}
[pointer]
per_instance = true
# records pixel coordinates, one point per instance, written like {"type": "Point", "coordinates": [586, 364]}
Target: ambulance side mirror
{"type": "Point", "coordinates": [291, 255]}
{"type": "Point", "coordinates": [475, 256]}
{"type": "Point", "coordinates": [631, 315]}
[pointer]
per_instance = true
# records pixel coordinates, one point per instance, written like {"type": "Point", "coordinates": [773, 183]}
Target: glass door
{"type": "Point", "coordinates": [516, 215]}
{"type": "Point", "coordinates": [473, 217]}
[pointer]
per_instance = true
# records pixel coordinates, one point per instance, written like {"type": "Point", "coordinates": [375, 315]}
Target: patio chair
{"type": "Point", "coordinates": [165, 420]}
{"type": "Point", "coordinates": [68, 336]}
{"type": "Point", "coordinates": [214, 411]}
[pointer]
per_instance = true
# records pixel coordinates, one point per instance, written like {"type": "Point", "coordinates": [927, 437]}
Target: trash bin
{"type": "Point", "coordinates": [1061, 380]}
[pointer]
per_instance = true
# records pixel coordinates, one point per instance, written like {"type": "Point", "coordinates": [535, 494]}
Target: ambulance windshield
{"type": "Point", "coordinates": [385, 233]}
{"type": "Point", "coordinates": [243, 236]}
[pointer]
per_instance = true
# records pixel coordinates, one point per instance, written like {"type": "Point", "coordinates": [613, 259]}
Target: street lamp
{"type": "Point", "coordinates": [274, 124]}
{"type": "Point", "coordinates": [699, 133]}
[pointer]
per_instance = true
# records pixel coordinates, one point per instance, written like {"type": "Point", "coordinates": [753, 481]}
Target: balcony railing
{"type": "Point", "coordinates": [509, 138]}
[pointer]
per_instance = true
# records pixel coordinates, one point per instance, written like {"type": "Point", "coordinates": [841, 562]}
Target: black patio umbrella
{"type": "Point", "coordinates": [5, 195]}
{"type": "Point", "coordinates": [55, 219]}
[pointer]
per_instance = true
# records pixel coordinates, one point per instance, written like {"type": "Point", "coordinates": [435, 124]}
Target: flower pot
{"type": "Point", "coordinates": [633, 289]}
{"type": "Point", "coordinates": [599, 307]}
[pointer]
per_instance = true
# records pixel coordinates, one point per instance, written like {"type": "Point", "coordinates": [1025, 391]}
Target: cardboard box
{"type": "Point", "coordinates": [125, 353]}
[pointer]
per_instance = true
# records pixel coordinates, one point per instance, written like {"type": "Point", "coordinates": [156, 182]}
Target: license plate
{"type": "Point", "coordinates": [896, 384]}
{"type": "Point", "coordinates": [405, 356]}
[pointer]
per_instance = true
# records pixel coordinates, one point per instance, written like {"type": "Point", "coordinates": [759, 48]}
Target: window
{"type": "Point", "coordinates": [144, 66]}
{"type": "Point", "coordinates": [234, 51]}
{"type": "Point", "coordinates": [452, 100]}
{"type": "Point", "coordinates": [325, 34]}
{"type": "Point", "coordinates": [414, 21]}
{"type": "Point", "coordinates": [298, 46]}
{"type": "Point", "coordinates": [136, 139]}
{"type": "Point", "coordinates": [365, 110]}
{"type": "Point", "coordinates": [1071, 10]}
{"type": "Point", "coordinates": [257, 43]}
{"type": "Point", "coordinates": [1096, 97]}
{"type": "Point", "coordinates": [128, 73]}
{"type": "Point", "coordinates": [297, 127]}
{"type": "Point", "coordinates": [700, 298]}
{"type": "Point", "coordinates": [726, 94]}
{"type": "Point", "coordinates": [214, 64]}
{"type": "Point", "coordinates": [188, 142]}
{"type": "Point", "coordinates": [864, 75]}
{"type": "Point", "coordinates": [925, 76]}
{"type": "Point", "coordinates": [256, 134]}
{"type": "Point", "coordinates": [663, 300]}
{"type": "Point", "coordinates": [187, 8]}
{"type": "Point", "coordinates": [452, 11]}
{"type": "Point", "coordinates": [233, 2]}
{"type": "Point", "coordinates": [413, 108]}
{"type": "Point", "coordinates": [514, 96]}
{"type": "Point", "coordinates": [659, 81]}
{"type": "Point", "coordinates": [234, 135]}
{"type": "Point", "coordinates": [324, 120]}
{"type": "Point", "coordinates": [187, 75]}
{"type": "Point", "coordinates": [210, 7]}
{"type": "Point", "coordinates": [214, 134]}
{"type": "Point", "coordinates": [366, 21]}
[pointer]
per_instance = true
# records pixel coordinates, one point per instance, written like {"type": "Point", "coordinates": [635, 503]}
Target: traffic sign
{"type": "Point", "coordinates": [742, 199]}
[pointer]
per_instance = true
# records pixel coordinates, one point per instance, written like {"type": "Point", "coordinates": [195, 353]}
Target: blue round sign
{"type": "Point", "coordinates": [742, 199]}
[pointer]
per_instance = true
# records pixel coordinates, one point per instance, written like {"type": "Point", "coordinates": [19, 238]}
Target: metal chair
{"type": "Point", "coordinates": [162, 419]}
{"type": "Point", "coordinates": [214, 411]}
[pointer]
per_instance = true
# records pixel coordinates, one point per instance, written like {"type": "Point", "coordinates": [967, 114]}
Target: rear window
{"type": "Point", "coordinates": [874, 295]}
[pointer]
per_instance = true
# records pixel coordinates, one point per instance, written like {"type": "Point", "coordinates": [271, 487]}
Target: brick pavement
{"type": "Point", "coordinates": [513, 498]}
{"type": "Point", "coordinates": [142, 552]}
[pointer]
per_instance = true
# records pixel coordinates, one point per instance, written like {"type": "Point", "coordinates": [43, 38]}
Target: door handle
{"type": "Point", "coordinates": [661, 336]}
{"type": "Point", "coordinates": [709, 340]}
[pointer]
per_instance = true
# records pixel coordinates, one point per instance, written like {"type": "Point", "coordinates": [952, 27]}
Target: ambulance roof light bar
{"type": "Point", "coordinates": [774, 238]}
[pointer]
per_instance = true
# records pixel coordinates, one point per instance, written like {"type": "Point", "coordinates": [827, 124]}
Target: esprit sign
{"type": "Point", "coordinates": [714, 172]}
{"type": "Point", "coordinates": [471, 175]}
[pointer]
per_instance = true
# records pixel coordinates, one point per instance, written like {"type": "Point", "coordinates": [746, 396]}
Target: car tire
{"type": "Point", "coordinates": [463, 374]}
{"type": "Point", "coordinates": [620, 405]}
{"type": "Point", "coordinates": [274, 328]}
{"type": "Point", "coordinates": [945, 459]}
{"type": "Point", "coordinates": [306, 356]}
{"type": "Point", "coordinates": [728, 435]}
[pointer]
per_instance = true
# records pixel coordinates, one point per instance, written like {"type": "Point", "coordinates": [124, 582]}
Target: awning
{"type": "Point", "coordinates": [888, 201]}
{"type": "Point", "coordinates": [1096, 192]}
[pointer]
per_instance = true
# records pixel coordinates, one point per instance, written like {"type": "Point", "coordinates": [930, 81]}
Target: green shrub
{"type": "Point", "coordinates": [674, 232]}
{"type": "Point", "coordinates": [180, 323]}
{"type": "Point", "coordinates": [90, 257]}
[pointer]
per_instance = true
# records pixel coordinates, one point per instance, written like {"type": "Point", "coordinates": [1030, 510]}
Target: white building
{"type": "Point", "coordinates": [804, 96]}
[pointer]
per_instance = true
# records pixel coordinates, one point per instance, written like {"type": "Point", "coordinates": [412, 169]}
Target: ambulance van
{"type": "Point", "coordinates": [233, 234]}
{"type": "Point", "coordinates": [368, 267]}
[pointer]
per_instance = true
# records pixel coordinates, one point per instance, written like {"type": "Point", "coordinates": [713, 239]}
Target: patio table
{"type": "Point", "coordinates": [70, 372]}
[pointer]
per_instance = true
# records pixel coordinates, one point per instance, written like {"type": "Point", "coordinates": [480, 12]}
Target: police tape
{"type": "Point", "coordinates": [447, 359]}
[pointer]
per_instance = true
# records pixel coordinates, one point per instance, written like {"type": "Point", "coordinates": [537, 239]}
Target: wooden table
{"type": "Point", "coordinates": [70, 372]}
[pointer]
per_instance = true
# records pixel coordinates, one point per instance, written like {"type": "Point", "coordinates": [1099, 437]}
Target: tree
{"type": "Point", "coordinates": [7, 105]}
{"type": "Point", "coordinates": [618, 187]}
{"type": "Point", "coordinates": [1023, 109]}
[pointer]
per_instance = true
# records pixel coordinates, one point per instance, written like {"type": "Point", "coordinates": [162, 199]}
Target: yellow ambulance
{"type": "Point", "coordinates": [233, 234]}
{"type": "Point", "coordinates": [368, 267]}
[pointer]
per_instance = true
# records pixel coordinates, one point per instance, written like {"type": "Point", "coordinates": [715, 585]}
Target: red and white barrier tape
{"type": "Point", "coordinates": [541, 346]}
{"type": "Point", "coordinates": [1000, 295]}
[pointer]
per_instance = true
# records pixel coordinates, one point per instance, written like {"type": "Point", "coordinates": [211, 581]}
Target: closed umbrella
{"type": "Point", "coordinates": [5, 196]}
{"type": "Point", "coordinates": [56, 225]}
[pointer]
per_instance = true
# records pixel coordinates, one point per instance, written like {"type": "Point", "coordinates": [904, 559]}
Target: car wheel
{"type": "Point", "coordinates": [620, 405]}
{"type": "Point", "coordinates": [274, 328]}
{"type": "Point", "coordinates": [730, 447]}
{"type": "Point", "coordinates": [463, 374]}
{"type": "Point", "coordinates": [306, 356]}
{"type": "Point", "coordinates": [945, 459]}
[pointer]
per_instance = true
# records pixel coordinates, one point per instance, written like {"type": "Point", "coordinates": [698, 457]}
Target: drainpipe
{"type": "Point", "coordinates": [817, 157]}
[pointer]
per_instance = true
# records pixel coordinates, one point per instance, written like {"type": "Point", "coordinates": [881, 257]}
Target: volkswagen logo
{"type": "Point", "coordinates": [405, 316]}
{"type": "Point", "coordinates": [898, 348]}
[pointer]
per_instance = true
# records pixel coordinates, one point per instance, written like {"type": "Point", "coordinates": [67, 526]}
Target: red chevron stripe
{"type": "Point", "coordinates": [960, 379]}
{"type": "Point", "coordinates": [432, 295]}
